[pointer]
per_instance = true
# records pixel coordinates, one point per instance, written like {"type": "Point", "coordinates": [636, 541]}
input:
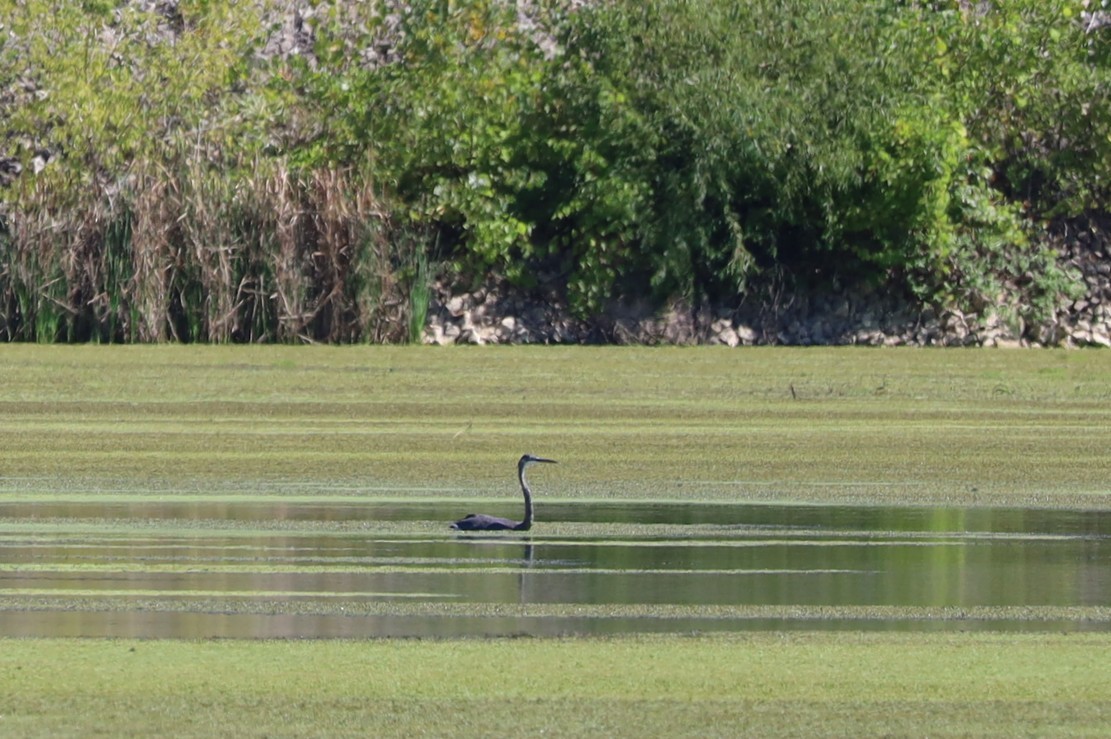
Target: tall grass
{"type": "Point", "coordinates": [419, 297]}
{"type": "Point", "coordinates": [197, 255]}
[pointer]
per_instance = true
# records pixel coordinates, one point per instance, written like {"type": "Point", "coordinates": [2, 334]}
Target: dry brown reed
{"type": "Point", "coordinates": [255, 254]}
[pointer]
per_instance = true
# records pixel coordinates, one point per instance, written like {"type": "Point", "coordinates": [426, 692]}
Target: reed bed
{"type": "Point", "coordinates": [196, 256]}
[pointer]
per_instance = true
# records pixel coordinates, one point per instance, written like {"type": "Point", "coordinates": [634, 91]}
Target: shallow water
{"type": "Point", "coordinates": [294, 568]}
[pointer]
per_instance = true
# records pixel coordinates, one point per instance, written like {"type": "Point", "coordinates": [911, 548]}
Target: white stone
{"type": "Point", "coordinates": [433, 334]}
{"type": "Point", "coordinates": [1100, 337]}
{"type": "Point", "coordinates": [472, 336]}
{"type": "Point", "coordinates": [746, 334]}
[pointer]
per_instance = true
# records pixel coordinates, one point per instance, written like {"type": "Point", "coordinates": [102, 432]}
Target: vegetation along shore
{"type": "Point", "coordinates": [556, 171]}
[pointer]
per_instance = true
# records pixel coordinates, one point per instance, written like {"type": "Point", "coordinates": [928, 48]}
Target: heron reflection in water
{"type": "Point", "coordinates": [483, 522]}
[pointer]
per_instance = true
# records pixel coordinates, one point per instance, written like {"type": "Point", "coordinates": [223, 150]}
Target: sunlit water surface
{"type": "Point", "coordinates": [274, 568]}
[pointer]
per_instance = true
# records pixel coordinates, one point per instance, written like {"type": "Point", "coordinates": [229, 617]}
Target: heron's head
{"type": "Point", "coordinates": [533, 459]}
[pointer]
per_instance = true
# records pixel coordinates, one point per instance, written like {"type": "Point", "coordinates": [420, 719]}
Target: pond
{"type": "Point", "coordinates": [269, 566]}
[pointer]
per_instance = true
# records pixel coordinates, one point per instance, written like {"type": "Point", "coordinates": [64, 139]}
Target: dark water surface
{"type": "Point", "coordinates": [272, 567]}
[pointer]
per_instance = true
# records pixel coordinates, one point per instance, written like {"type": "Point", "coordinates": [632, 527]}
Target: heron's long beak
{"type": "Point", "coordinates": [549, 461]}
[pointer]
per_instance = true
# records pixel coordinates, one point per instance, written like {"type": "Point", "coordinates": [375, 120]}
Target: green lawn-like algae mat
{"type": "Point", "coordinates": [830, 684]}
{"type": "Point", "coordinates": [850, 425]}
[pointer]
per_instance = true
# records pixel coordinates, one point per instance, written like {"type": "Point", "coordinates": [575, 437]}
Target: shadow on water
{"type": "Point", "coordinates": [270, 567]}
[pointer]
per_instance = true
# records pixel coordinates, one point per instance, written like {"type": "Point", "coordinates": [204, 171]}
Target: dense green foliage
{"type": "Point", "coordinates": [201, 190]}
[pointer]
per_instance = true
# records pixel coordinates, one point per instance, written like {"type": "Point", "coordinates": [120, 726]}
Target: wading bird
{"type": "Point", "coordinates": [482, 522]}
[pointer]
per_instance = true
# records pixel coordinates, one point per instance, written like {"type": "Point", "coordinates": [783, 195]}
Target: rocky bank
{"type": "Point", "coordinates": [498, 314]}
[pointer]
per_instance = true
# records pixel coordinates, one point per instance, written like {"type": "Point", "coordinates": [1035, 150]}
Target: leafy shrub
{"type": "Point", "coordinates": [996, 81]}
{"type": "Point", "coordinates": [829, 140]}
{"type": "Point", "coordinates": [493, 132]}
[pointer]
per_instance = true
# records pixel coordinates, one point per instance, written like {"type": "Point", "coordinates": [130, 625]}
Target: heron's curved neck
{"type": "Point", "coordinates": [527, 523]}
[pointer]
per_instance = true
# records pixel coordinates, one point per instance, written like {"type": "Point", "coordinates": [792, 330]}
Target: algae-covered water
{"type": "Point", "coordinates": [307, 491]}
{"type": "Point", "coordinates": [305, 568]}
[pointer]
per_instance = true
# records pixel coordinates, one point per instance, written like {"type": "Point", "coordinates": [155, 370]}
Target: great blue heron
{"type": "Point", "coordinates": [482, 522]}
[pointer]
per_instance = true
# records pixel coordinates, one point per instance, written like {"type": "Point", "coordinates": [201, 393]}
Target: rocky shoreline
{"type": "Point", "coordinates": [498, 314]}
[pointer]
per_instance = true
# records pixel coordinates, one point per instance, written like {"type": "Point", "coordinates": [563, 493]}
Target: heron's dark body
{"type": "Point", "coordinates": [483, 522]}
